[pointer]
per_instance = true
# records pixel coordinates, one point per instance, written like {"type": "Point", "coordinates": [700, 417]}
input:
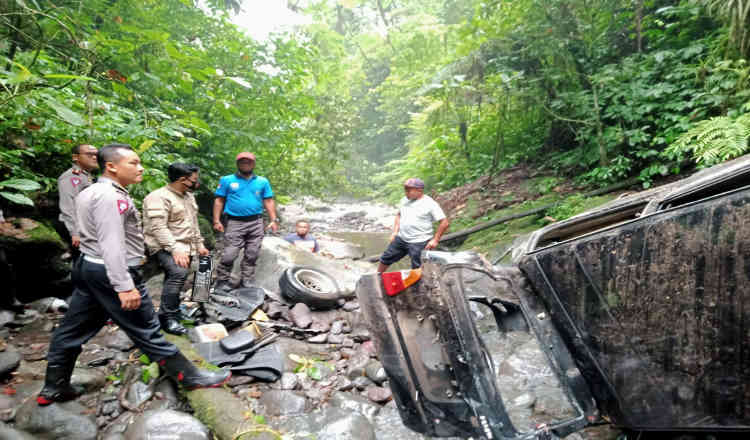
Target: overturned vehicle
{"type": "Point", "coordinates": [640, 310]}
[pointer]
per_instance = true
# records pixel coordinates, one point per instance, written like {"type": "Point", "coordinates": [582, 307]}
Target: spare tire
{"type": "Point", "coordinates": [311, 286]}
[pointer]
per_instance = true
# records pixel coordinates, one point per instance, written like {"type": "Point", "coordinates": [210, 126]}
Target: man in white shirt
{"type": "Point", "coordinates": [412, 229]}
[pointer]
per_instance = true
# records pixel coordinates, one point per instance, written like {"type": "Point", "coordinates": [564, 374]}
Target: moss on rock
{"type": "Point", "coordinates": [218, 408]}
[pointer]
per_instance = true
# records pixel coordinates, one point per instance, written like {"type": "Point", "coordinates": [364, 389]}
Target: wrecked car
{"type": "Point", "coordinates": [640, 310]}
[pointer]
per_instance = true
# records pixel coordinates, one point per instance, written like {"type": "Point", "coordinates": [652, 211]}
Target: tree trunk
{"type": "Point", "coordinates": [599, 134]}
{"type": "Point", "coordinates": [382, 13]}
{"type": "Point", "coordinates": [639, 25]}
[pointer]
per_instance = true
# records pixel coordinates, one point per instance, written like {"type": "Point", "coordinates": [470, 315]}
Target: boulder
{"type": "Point", "coordinates": [276, 255]}
{"type": "Point", "coordinates": [167, 424]}
{"type": "Point", "coordinates": [61, 421]}
{"type": "Point", "coordinates": [340, 249]}
{"type": "Point", "coordinates": [9, 360]}
{"type": "Point", "coordinates": [330, 423]}
{"type": "Point", "coordinates": [283, 403]}
{"type": "Point", "coordinates": [25, 274]}
{"type": "Point", "coordinates": [353, 402]}
{"type": "Point", "coordinates": [8, 433]}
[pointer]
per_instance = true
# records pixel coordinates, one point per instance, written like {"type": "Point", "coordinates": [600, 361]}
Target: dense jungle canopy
{"type": "Point", "coordinates": [372, 91]}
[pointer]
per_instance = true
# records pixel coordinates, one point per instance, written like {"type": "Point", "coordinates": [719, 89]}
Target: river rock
{"type": "Point", "coordinates": [379, 394]}
{"type": "Point", "coordinates": [116, 429]}
{"type": "Point", "coordinates": [318, 339]}
{"type": "Point", "coordinates": [337, 327]}
{"type": "Point", "coordinates": [8, 433]}
{"type": "Point", "coordinates": [289, 381]}
{"type": "Point", "coordinates": [353, 402]}
{"type": "Point", "coordinates": [320, 325]}
{"type": "Point", "coordinates": [89, 378]}
{"type": "Point", "coordinates": [6, 317]}
{"type": "Point", "coordinates": [368, 348]}
{"type": "Point", "coordinates": [360, 334]}
{"type": "Point", "coordinates": [61, 421]}
{"type": "Point", "coordinates": [358, 365]}
{"type": "Point", "coordinates": [119, 340]}
{"type": "Point", "coordinates": [551, 402]}
{"type": "Point", "coordinates": [335, 339]}
{"type": "Point", "coordinates": [138, 393]}
{"type": "Point", "coordinates": [283, 403]}
{"type": "Point", "coordinates": [300, 315]}
{"type": "Point", "coordinates": [109, 408]}
{"type": "Point", "coordinates": [167, 424]}
{"type": "Point", "coordinates": [340, 249]}
{"type": "Point", "coordinates": [330, 423]}
{"type": "Point", "coordinates": [389, 426]}
{"type": "Point", "coordinates": [362, 382]}
{"type": "Point", "coordinates": [376, 372]}
{"type": "Point", "coordinates": [7, 408]}
{"type": "Point", "coordinates": [10, 359]}
{"type": "Point", "coordinates": [344, 384]}
{"type": "Point", "coordinates": [351, 306]}
{"type": "Point", "coordinates": [276, 310]}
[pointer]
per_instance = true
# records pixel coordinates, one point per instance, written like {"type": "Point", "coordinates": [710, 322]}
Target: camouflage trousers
{"type": "Point", "coordinates": [238, 234]}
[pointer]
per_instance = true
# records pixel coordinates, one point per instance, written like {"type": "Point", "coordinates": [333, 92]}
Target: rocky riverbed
{"type": "Point", "coordinates": [333, 385]}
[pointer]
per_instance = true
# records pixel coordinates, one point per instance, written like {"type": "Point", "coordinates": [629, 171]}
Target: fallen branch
{"type": "Point", "coordinates": [128, 378]}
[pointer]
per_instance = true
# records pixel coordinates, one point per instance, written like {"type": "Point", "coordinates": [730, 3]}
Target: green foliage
{"type": "Point", "coordinates": [19, 185]}
{"type": "Point", "coordinates": [311, 367]}
{"type": "Point", "coordinates": [568, 208]}
{"type": "Point", "coordinates": [150, 372]}
{"type": "Point", "coordinates": [714, 140]}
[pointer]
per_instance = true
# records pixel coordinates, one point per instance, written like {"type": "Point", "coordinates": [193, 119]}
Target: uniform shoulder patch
{"type": "Point", "coordinates": [122, 205]}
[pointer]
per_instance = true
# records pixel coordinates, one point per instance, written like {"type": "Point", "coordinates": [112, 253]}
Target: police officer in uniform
{"type": "Point", "coordinates": [242, 197]}
{"type": "Point", "coordinates": [70, 184]}
{"type": "Point", "coordinates": [109, 283]}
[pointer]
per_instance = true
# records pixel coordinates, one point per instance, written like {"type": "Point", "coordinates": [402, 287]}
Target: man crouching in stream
{"type": "Point", "coordinates": [109, 284]}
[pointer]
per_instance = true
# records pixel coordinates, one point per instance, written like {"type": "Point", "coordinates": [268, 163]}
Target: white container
{"type": "Point", "coordinates": [210, 332]}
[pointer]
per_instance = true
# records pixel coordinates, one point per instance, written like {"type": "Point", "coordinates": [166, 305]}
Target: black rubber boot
{"type": "Point", "coordinates": [191, 377]}
{"type": "Point", "coordinates": [57, 387]}
{"type": "Point", "coordinates": [172, 325]}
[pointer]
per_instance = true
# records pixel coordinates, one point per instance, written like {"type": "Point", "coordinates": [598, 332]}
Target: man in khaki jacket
{"type": "Point", "coordinates": [170, 226]}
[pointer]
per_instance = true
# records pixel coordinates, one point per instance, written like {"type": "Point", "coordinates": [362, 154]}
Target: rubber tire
{"type": "Point", "coordinates": [296, 292]}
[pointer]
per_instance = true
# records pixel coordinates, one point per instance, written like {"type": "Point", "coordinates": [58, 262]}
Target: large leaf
{"type": "Point", "coordinates": [20, 184]}
{"type": "Point", "coordinates": [17, 198]}
{"type": "Point", "coordinates": [65, 113]}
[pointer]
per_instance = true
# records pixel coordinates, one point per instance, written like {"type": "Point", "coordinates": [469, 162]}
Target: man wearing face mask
{"type": "Point", "coordinates": [172, 237]}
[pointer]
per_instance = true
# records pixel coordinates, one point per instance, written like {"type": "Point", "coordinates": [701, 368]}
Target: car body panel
{"type": "Point", "coordinates": [665, 299]}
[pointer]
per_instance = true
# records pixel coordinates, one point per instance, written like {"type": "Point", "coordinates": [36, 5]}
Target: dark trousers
{"type": "Point", "coordinates": [240, 234]}
{"type": "Point", "coordinates": [93, 302]}
{"type": "Point", "coordinates": [174, 279]}
{"type": "Point", "coordinates": [398, 248]}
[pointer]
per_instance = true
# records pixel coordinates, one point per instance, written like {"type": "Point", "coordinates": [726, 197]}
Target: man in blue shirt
{"type": "Point", "coordinates": [242, 197]}
{"type": "Point", "coordinates": [301, 238]}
